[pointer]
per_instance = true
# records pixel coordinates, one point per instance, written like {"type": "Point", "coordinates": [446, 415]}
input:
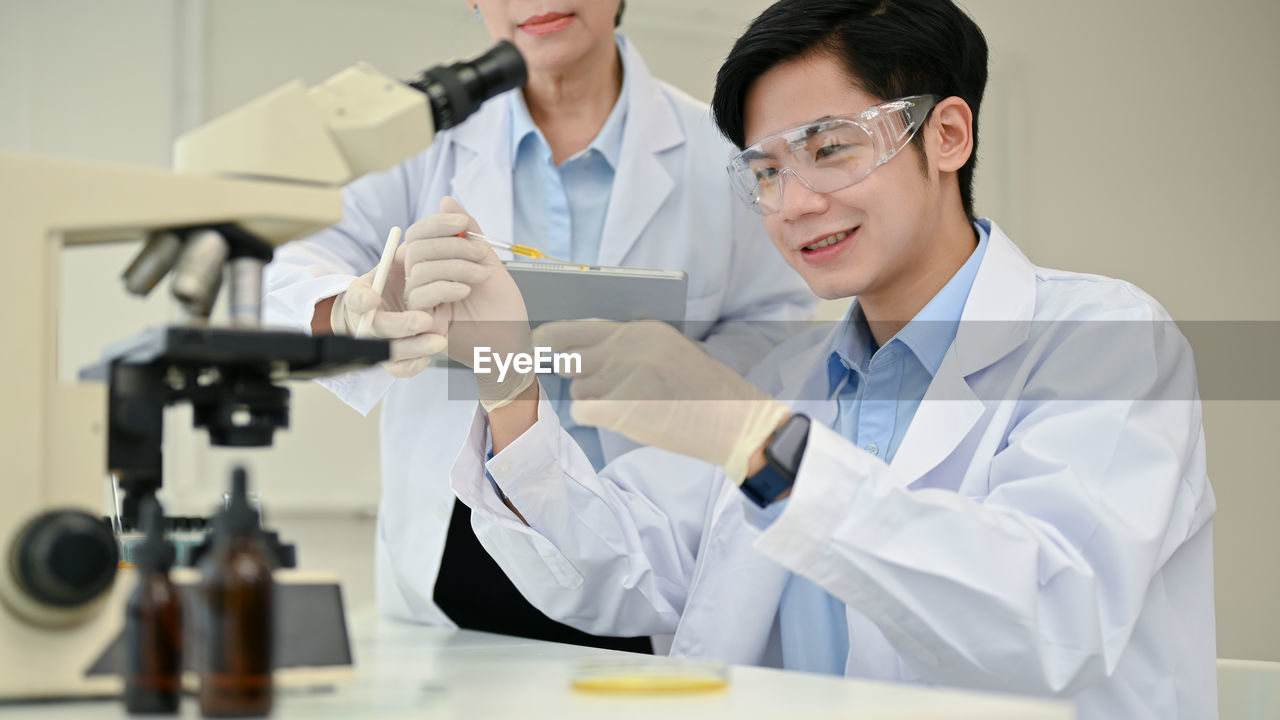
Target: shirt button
{"type": "Point", "coordinates": [873, 449]}
{"type": "Point", "coordinates": [503, 468]}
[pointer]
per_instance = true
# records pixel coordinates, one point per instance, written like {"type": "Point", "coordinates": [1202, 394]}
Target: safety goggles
{"type": "Point", "coordinates": [829, 154]}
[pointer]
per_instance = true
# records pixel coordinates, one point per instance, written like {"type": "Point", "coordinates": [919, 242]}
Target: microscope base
{"type": "Point", "coordinates": [312, 647]}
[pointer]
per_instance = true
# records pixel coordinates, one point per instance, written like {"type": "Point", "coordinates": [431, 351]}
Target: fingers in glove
{"type": "Point", "coordinates": [451, 220]}
{"type": "Point", "coordinates": [570, 335]}
{"type": "Point", "coordinates": [598, 350]}
{"type": "Point", "coordinates": [445, 248]}
{"type": "Point", "coordinates": [393, 325]}
{"type": "Point", "coordinates": [599, 383]}
{"type": "Point", "coordinates": [610, 414]}
{"type": "Point", "coordinates": [595, 358]}
{"type": "Point", "coordinates": [449, 205]}
{"type": "Point", "coordinates": [441, 318]}
{"type": "Point", "coordinates": [455, 270]}
{"type": "Point", "coordinates": [406, 368]}
{"type": "Point", "coordinates": [436, 293]}
{"type": "Point", "coordinates": [422, 345]}
{"type": "Point", "coordinates": [438, 226]}
{"type": "Point", "coordinates": [360, 298]}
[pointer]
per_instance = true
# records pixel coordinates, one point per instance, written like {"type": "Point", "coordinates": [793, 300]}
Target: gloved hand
{"type": "Point", "coordinates": [410, 331]}
{"type": "Point", "coordinates": [476, 304]}
{"type": "Point", "coordinates": [652, 384]}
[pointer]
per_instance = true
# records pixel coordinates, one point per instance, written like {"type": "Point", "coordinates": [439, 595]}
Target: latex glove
{"type": "Point", "coordinates": [652, 384]}
{"type": "Point", "coordinates": [476, 304]}
{"type": "Point", "coordinates": [410, 331]}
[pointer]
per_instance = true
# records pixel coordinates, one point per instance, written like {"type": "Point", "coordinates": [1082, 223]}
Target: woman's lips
{"type": "Point", "coordinates": [544, 24]}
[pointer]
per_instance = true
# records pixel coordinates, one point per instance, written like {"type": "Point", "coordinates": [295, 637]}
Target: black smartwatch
{"type": "Point", "coordinates": [782, 456]}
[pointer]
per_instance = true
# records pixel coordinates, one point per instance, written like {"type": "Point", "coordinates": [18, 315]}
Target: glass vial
{"type": "Point", "coordinates": [153, 625]}
{"type": "Point", "coordinates": [237, 592]}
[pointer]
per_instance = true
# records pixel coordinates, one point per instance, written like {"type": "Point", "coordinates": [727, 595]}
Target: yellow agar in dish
{"type": "Point", "coordinates": [649, 678]}
{"type": "Point", "coordinates": [644, 684]}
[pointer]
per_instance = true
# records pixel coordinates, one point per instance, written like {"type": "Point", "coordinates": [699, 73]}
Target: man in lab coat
{"type": "Point", "coordinates": [640, 186]}
{"type": "Point", "coordinates": [988, 475]}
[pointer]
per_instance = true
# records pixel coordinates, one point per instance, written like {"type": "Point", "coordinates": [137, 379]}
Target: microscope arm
{"type": "Point", "coordinates": [356, 122]}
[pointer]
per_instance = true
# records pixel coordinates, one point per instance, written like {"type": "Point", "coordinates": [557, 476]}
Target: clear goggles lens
{"type": "Point", "coordinates": [829, 154]}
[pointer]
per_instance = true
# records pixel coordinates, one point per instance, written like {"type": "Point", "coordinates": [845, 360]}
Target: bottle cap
{"type": "Point", "coordinates": [155, 554]}
{"type": "Point", "coordinates": [238, 518]}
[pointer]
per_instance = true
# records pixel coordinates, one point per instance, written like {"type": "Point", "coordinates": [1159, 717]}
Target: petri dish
{"type": "Point", "coordinates": [649, 677]}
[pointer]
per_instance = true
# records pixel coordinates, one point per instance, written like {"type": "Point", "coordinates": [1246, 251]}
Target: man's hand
{"type": "Point", "coordinates": [657, 387]}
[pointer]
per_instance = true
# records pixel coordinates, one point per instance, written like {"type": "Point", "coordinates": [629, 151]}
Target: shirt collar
{"type": "Point", "coordinates": [851, 347]}
{"type": "Point", "coordinates": [928, 335]}
{"type": "Point", "coordinates": [608, 142]}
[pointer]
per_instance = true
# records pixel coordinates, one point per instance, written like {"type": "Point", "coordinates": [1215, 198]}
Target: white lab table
{"type": "Point", "coordinates": [414, 671]}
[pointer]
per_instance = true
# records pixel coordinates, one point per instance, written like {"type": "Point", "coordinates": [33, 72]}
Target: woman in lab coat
{"type": "Point", "coordinates": [595, 159]}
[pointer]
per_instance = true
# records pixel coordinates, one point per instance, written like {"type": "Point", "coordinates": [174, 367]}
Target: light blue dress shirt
{"type": "Point", "coordinates": [561, 211]}
{"type": "Point", "coordinates": [877, 391]}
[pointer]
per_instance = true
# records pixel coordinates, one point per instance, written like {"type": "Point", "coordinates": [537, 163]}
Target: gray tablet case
{"type": "Point", "coordinates": [574, 292]}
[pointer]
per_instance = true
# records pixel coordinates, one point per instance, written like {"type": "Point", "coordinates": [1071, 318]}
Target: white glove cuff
{"type": "Point", "coordinates": [337, 319]}
{"type": "Point", "coordinates": [506, 396]}
{"type": "Point", "coordinates": [759, 424]}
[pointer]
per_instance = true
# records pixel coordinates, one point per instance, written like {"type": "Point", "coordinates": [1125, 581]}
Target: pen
{"type": "Point", "coordinates": [380, 277]}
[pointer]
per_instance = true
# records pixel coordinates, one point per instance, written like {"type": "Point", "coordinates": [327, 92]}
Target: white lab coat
{"type": "Point", "coordinates": [671, 208]}
{"type": "Point", "coordinates": [1056, 544]}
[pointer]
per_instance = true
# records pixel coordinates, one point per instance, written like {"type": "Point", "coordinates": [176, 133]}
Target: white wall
{"type": "Point", "coordinates": [1139, 145]}
{"type": "Point", "coordinates": [1126, 138]}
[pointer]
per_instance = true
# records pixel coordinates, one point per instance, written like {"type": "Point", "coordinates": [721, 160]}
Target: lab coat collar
{"type": "Point", "coordinates": [641, 184]}
{"type": "Point", "coordinates": [997, 316]}
{"type": "Point", "coordinates": [477, 132]}
{"type": "Point", "coordinates": [482, 177]}
{"type": "Point", "coordinates": [996, 319]}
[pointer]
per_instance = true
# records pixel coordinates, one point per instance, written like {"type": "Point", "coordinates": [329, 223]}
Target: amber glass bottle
{"type": "Point", "coordinates": [235, 678]}
{"type": "Point", "coordinates": [153, 625]}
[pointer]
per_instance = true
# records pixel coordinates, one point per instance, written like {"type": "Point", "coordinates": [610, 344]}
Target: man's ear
{"type": "Point", "coordinates": [951, 134]}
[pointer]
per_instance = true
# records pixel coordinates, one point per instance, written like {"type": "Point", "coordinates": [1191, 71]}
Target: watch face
{"type": "Point", "coordinates": [787, 447]}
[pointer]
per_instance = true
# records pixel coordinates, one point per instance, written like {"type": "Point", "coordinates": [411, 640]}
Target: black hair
{"type": "Point", "coordinates": [889, 48]}
{"type": "Point", "coordinates": [617, 19]}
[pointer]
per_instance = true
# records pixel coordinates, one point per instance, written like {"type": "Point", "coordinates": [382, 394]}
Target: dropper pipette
{"type": "Point", "coordinates": [517, 249]}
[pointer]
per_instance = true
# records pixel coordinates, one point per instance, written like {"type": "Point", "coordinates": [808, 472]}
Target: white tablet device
{"type": "Point", "coordinates": [573, 292]}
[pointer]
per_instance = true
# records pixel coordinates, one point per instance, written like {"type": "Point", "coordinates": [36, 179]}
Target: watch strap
{"type": "Point", "coordinates": [766, 485]}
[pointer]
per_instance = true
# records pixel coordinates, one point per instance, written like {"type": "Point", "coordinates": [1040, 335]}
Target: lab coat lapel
{"type": "Point", "coordinates": [641, 184]}
{"type": "Point", "coordinates": [996, 318]}
{"type": "Point", "coordinates": [946, 414]}
{"type": "Point", "coordinates": [482, 176]}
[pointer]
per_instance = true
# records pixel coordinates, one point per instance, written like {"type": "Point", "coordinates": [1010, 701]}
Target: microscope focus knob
{"type": "Point", "coordinates": [64, 558]}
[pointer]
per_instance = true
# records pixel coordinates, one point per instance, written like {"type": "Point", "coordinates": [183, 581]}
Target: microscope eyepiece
{"type": "Point", "coordinates": [457, 90]}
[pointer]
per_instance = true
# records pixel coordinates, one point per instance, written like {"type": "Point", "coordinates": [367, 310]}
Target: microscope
{"type": "Point", "coordinates": [246, 182]}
